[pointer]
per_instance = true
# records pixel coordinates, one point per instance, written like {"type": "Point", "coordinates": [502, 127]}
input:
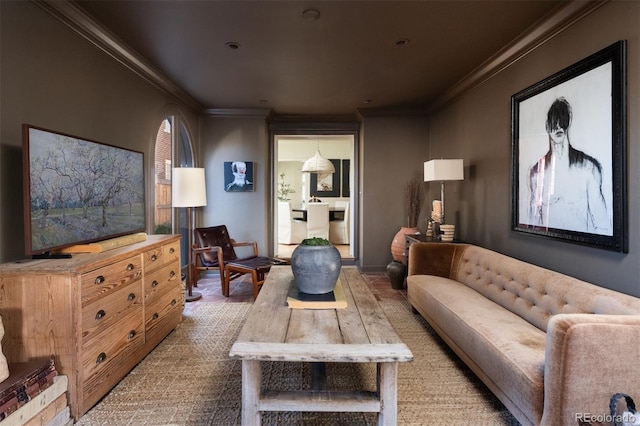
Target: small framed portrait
{"type": "Point", "coordinates": [238, 176]}
{"type": "Point", "coordinates": [328, 186]}
{"type": "Point", "coordinates": [568, 147]}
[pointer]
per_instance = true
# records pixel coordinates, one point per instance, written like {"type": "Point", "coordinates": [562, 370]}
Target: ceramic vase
{"type": "Point", "coordinates": [398, 244]}
{"type": "Point", "coordinates": [447, 232]}
{"type": "Point", "coordinates": [396, 272]}
{"type": "Point", "coordinates": [316, 268]}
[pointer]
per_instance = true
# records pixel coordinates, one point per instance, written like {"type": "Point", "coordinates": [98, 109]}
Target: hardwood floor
{"type": "Point", "coordinates": [241, 289]}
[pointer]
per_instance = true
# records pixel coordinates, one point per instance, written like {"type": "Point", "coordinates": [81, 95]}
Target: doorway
{"type": "Point", "coordinates": [295, 188]}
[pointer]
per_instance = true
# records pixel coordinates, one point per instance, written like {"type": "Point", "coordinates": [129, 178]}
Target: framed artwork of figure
{"type": "Point", "coordinates": [238, 176]}
{"type": "Point", "coordinates": [568, 147]}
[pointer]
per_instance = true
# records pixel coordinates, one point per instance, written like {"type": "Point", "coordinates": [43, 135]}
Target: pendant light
{"type": "Point", "coordinates": [318, 165]}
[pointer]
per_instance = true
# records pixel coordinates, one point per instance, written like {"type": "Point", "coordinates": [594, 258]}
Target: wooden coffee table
{"type": "Point", "coordinates": [359, 333]}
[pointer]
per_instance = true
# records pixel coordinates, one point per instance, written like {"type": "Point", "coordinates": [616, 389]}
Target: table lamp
{"type": "Point", "coordinates": [188, 190]}
{"type": "Point", "coordinates": [442, 170]}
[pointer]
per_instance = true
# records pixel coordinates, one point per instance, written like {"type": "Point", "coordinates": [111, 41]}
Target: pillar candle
{"type": "Point", "coordinates": [437, 207]}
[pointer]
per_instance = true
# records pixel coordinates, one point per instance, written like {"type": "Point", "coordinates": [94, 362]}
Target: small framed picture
{"type": "Point", "coordinates": [238, 176]}
{"type": "Point", "coordinates": [328, 186]}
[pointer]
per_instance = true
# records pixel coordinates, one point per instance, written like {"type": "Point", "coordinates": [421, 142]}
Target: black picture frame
{"type": "Point", "coordinates": [331, 184]}
{"type": "Point", "coordinates": [239, 176]}
{"type": "Point", "coordinates": [346, 171]}
{"type": "Point", "coordinates": [570, 184]}
{"type": "Point", "coordinates": [77, 191]}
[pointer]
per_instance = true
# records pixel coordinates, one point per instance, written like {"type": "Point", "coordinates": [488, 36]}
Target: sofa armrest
{"type": "Point", "coordinates": [433, 258]}
{"type": "Point", "coordinates": [588, 359]}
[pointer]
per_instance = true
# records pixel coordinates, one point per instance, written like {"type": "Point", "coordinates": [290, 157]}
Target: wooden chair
{"type": "Point", "coordinates": [215, 250]}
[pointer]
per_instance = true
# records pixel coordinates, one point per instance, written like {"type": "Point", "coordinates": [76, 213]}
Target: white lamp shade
{"type": "Point", "coordinates": [188, 187]}
{"type": "Point", "coordinates": [318, 164]}
{"type": "Point", "coordinates": [443, 170]}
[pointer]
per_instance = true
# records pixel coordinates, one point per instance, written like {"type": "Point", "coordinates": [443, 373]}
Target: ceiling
{"type": "Point", "coordinates": [353, 55]}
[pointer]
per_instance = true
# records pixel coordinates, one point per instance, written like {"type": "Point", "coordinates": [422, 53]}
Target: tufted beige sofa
{"type": "Point", "coordinates": [552, 348]}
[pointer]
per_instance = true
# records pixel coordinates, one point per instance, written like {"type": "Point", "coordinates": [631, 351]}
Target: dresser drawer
{"type": "Point", "coordinates": [99, 282]}
{"type": "Point", "coordinates": [109, 351]}
{"type": "Point", "coordinates": [107, 311]}
{"type": "Point", "coordinates": [162, 316]}
{"type": "Point", "coordinates": [159, 282]}
{"type": "Point", "coordinates": [172, 252]}
{"type": "Point", "coordinates": [161, 306]}
{"type": "Point", "coordinates": [162, 255]}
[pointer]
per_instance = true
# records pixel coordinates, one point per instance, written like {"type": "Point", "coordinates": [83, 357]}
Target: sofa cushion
{"type": "Point", "coordinates": [533, 292]}
{"type": "Point", "coordinates": [505, 347]}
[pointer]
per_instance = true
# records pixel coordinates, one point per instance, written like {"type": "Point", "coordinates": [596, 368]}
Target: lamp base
{"type": "Point", "coordinates": [193, 296]}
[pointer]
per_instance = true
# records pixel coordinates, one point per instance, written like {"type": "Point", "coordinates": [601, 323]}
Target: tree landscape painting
{"type": "Point", "coordinates": [80, 191]}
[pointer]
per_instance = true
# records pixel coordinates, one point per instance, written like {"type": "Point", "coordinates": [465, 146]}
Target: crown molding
{"type": "Point", "coordinates": [538, 34]}
{"type": "Point", "coordinates": [391, 112]}
{"type": "Point", "coordinates": [238, 112]}
{"type": "Point", "coordinates": [531, 39]}
{"type": "Point", "coordinates": [84, 25]}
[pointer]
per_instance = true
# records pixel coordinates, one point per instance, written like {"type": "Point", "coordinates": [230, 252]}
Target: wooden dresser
{"type": "Point", "coordinates": [97, 314]}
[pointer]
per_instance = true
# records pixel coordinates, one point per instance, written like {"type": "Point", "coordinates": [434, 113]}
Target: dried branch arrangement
{"type": "Point", "coordinates": [414, 198]}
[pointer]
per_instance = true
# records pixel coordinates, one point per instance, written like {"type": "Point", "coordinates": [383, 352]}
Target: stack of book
{"type": "Point", "coordinates": [29, 396]}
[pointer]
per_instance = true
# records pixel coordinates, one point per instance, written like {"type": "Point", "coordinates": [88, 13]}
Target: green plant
{"type": "Point", "coordinates": [163, 228]}
{"type": "Point", "coordinates": [315, 241]}
{"type": "Point", "coordinates": [284, 189]}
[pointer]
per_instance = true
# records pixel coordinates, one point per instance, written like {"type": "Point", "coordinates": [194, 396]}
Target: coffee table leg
{"type": "Point", "coordinates": [318, 376]}
{"type": "Point", "coordinates": [388, 390]}
{"type": "Point", "coordinates": [251, 377]}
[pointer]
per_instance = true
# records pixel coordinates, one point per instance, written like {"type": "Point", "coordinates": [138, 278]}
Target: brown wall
{"type": "Point", "coordinates": [476, 127]}
{"type": "Point", "coordinates": [53, 78]}
{"type": "Point", "coordinates": [392, 151]}
{"type": "Point", "coordinates": [231, 138]}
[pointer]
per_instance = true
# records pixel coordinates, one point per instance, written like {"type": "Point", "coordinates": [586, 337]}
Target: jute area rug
{"type": "Point", "coordinates": [190, 380]}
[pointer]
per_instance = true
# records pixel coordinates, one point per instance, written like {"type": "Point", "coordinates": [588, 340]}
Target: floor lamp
{"type": "Point", "coordinates": [188, 190]}
{"type": "Point", "coordinates": [442, 170]}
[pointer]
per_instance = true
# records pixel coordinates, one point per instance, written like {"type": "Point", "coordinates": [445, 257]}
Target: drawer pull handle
{"type": "Point", "coordinates": [131, 297]}
{"type": "Point", "coordinates": [172, 250]}
{"type": "Point", "coordinates": [100, 279]}
{"type": "Point", "coordinates": [154, 257]}
{"type": "Point", "coordinates": [154, 283]}
{"type": "Point", "coordinates": [130, 267]}
{"type": "Point", "coordinates": [173, 302]}
{"type": "Point", "coordinates": [172, 274]}
{"type": "Point", "coordinates": [100, 314]}
{"type": "Point", "coordinates": [156, 316]}
{"type": "Point", "coordinates": [132, 334]}
{"type": "Point", "coordinates": [101, 358]}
